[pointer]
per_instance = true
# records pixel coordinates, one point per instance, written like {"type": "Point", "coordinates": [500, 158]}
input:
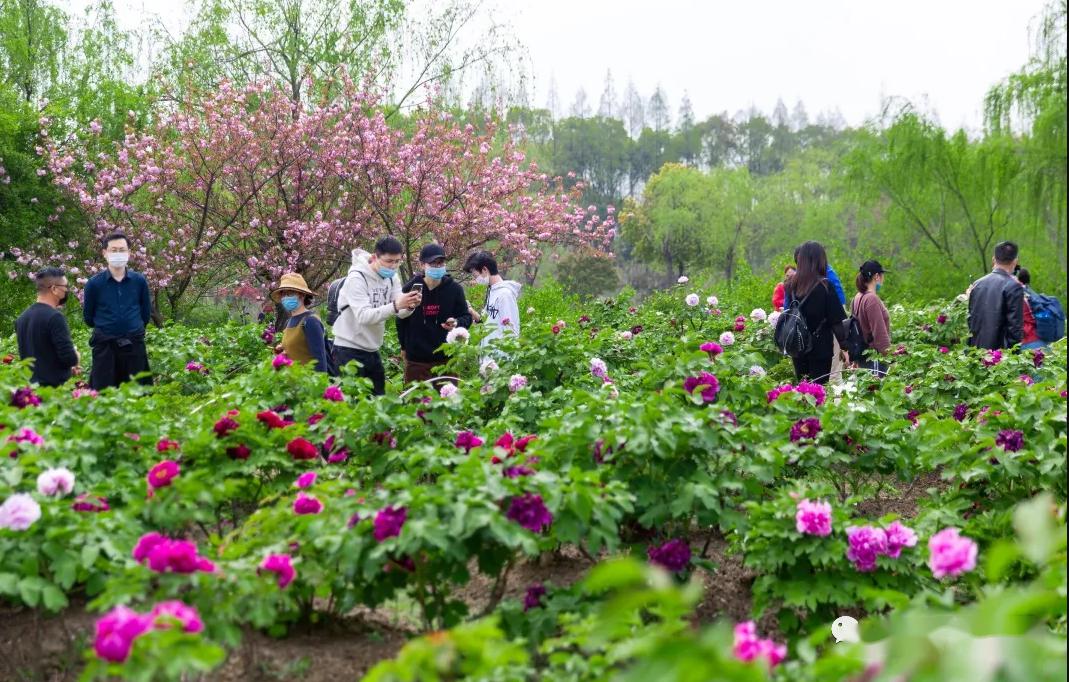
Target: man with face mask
{"type": "Point", "coordinates": [117, 305]}
{"type": "Point", "coordinates": [43, 333]}
{"type": "Point", "coordinates": [501, 310]}
{"type": "Point", "coordinates": [442, 309]}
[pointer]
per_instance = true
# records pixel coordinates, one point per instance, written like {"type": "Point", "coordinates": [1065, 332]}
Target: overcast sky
{"type": "Point", "coordinates": [727, 56]}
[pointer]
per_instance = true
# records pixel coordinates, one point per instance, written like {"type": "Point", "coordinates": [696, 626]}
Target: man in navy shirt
{"type": "Point", "coordinates": [117, 305]}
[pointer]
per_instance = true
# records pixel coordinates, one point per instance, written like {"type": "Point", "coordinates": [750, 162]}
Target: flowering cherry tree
{"type": "Point", "coordinates": [241, 185]}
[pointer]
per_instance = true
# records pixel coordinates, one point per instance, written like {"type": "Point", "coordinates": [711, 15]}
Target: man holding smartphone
{"type": "Point", "coordinates": [442, 308]}
{"type": "Point", "coordinates": [370, 295]}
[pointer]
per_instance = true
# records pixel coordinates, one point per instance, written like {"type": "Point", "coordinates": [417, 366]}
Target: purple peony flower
{"type": "Point", "coordinates": [866, 543]}
{"type": "Point", "coordinates": [389, 521]}
{"type": "Point", "coordinates": [808, 428]}
{"type": "Point", "coordinates": [961, 410]}
{"type": "Point", "coordinates": [468, 440]}
{"type": "Point", "coordinates": [530, 511]}
{"type": "Point", "coordinates": [707, 382]}
{"type": "Point", "coordinates": [1010, 441]}
{"type": "Point", "coordinates": [673, 555]}
{"type": "Point", "coordinates": [1037, 357]}
{"type": "Point", "coordinates": [533, 598]}
{"type": "Point", "coordinates": [942, 319]}
{"type": "Point", "coordinates": [24, 397]}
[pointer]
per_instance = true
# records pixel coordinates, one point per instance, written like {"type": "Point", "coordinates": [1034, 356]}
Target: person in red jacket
{"type": "Point", "coordinates": [778, 293]}
{"type": "Point", "coordinates": [1031, 339]}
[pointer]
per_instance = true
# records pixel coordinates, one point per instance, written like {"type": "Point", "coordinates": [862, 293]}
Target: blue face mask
{"type": "Point", "coordinates": [290, 303]}
{"type": "Point", "coordinates": [436, 273]}
{"type": "Point", "coordinates": [879, 285]}
{"type": "Point", "coordinates": [386, 273]}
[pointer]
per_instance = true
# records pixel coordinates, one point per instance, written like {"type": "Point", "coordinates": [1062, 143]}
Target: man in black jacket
{"type": "Point", "coordinates": [442, 309]}
{"type": "Point", "coordinates": [996, 303]}
{"type": "Point", "coordinates": [43, 333]}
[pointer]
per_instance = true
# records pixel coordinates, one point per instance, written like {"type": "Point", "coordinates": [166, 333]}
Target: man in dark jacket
{"type": "Point", "coordinates": [117, 305]}
{"type": "Point", "coordinates": [442, 309]}
{"type": "Point", "coordinates": [43, 333]}
{"type": "Point", "coordinates": [996, 303]}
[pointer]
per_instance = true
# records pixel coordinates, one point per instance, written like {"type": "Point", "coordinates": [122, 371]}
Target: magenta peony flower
{"type": "Point", "coordinates": [26, 435]}
{"type": "Point", "coordinates": [517, 382]}
{"type": "Point", "coordinates": [866, 543]}
{"type": "Point", "coordinates": [224, 427]}
{"type": "Point", "coordinates": [90, 503]}
{"type": "Point", "coordinates": [1010, 441]}
{"type": "Point", "coordinates": [24, 397]}
{"type": "Point", "coordinates": [338, 456]}
{"type": "Point", "coordinates": [517, 472]}
{"type": "Point", "coordinates": [161, 475]}
{"type": "Point", "coordinates": [749, 647]}
{"type": "Point", "coordinates": [240, 451]}
{"type": "Point", "coordinates": [116, 632]}
{"type": "Point", "coordinates": [951, 554]}
{"type": "Point", "coordinates": [468, 440]}
{"type": "Point", "coordinates": [712, 348]}
{"type": "Point", "coordinates": [165, 612]}
{"type": "Point", "coordinates": [19, 512]}
{"type": "Point", "coordinates": [1029, 381]}
{"type": "Point", "coordinates": [815, 390]}
{"type": "Point", "coordinates": [281, 360]}
{"type": "Point", "coordinates": [55, 482]}
{"type": "Point", "coordinates": [196, 368]}
{"type": "Point", "coordinates": [306, 480]}
{"type": "Point", "coordinates": [533, 598]}
{"type": "Point", "coordinates": [708, 384]}
{"type": "Point", "coordinates": [389, 521]}
{"type": "Point", "coordinates": [776, 392]}
{"type": "Point", "coordinates": [813, 518]}
{"type": "Point", "coordinates": [530, 511]}
{"type": "Point", "coordinates": [315, 418]}
{"type": "Point", "coordinates": [898, 537]}
{"type": "Point", "coordinates": [942, 319]}
{"type": "Point", "coordinates": [740, 326]}
{"type": "Point", "coordinates": [944, 350]}
{"type": "Point", "coordinates": [272, 419]}
{"type": "Point", "coordinates": [334, 394]}
{"type": "Point", "coordinates": [301, 449]}
{"type": "Point", "coordinates": [306, 504]}
{"type": "Point", "coordinates": [808, 428]}
{"type": "Point", "coordinates": [728, 417]}
{"type": "Point", "coordinates": [992, 358]}
{"type": "Point", "coordinates": [961, 410]}
{"type": "Point", "coordinates": [673, 555]}
{"type": "Point", "coordinates": [282, 566]}
{"type": "Point", "coordinates": [166, 445]}
{"type": "Point", "coordinates": [145, 544]}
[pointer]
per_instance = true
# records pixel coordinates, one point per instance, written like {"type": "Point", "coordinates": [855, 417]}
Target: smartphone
{"type": "Point", "coordinates": [418, 288]}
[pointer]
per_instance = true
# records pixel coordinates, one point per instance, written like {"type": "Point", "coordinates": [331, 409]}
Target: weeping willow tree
{"type": "Point", "coordinates": [1030, 106]}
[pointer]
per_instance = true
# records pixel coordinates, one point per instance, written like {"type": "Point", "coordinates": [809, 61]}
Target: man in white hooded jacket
{"type": "Point", "coordinates": [370, 296]}
{"type": "Point", "coordinates": [502, 312]}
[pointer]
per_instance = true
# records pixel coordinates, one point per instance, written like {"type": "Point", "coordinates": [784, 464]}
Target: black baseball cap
{"type": "Point", "coordinates": [431, 252]}
{"type": "Point", "coordinates": [872, 267]}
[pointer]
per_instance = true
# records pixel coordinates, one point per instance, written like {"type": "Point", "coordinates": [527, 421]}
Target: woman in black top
{"type": "Point", "coordinates": [821, 309]}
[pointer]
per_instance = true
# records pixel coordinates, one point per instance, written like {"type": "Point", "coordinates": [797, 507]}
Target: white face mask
{"type": "Point", "coordinates": [482, 279]}
{"type": "Point", "coordinates": [118, 260]}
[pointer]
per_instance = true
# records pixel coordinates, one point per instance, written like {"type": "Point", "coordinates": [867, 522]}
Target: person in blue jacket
{"type": "Point", "coordinates": [117, 305]}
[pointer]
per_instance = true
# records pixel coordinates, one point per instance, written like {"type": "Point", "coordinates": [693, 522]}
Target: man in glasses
{"type": "Point", "coordinates": [43, 333]}
{"type": "Point", "coordinates": [117, 305]}
{"type": "Point", "coordinates": [370, 295]}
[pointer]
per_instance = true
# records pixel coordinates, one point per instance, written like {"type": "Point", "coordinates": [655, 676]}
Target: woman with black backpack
{"type": "Point", "coordinates": [870, 323]}
{"type": "Point", "coordinates": [821, 309]}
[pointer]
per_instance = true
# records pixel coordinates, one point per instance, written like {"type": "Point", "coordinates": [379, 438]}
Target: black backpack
{"type": "Point", "coordinates": [856, 343]}
{"type": "Point", "coordinates": [333, 292]}
{"type": "Point", "coordinates": [792, 335]}
{"type": "Point", "coordinates": [328, 343]}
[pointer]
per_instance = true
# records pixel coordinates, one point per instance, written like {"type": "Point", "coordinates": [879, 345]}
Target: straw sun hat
{"type": "Point", "coordinates": [291, 281]}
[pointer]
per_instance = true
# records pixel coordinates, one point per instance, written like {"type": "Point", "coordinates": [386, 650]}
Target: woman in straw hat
{"type": "Point", "coordinates": [303, 337]}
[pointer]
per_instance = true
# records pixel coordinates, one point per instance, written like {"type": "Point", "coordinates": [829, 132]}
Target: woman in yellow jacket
{"type": "Point", "coordinates": [304, 336]}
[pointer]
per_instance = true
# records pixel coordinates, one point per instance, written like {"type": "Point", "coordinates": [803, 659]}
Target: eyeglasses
{"type": "Point", "coordinates": [62, 286]}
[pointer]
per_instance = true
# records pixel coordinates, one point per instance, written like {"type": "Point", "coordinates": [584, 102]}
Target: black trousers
{"type": "Point", "coordinates": [117, 359]}
{"type": "Point", "coordinates": [813, 368]}
{"type": "Point", "coordinates": [370, 365]}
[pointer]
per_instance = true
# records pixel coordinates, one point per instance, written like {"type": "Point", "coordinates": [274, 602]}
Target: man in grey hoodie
{"type": "Point", "coordinates": [502, 310]}
{"type": "Point", "coordinates": [370, 296]}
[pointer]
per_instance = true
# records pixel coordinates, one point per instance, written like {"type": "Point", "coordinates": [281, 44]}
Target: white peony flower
{"type": "Point", "coordinates": [757, 371]}
{"type": "Point", "coordinates": [55, 482]}
{"type": "Point", "coordinates": [487, 367]}
{"type": "Point", "coordinates": [457, 334]}
{"type": "Point", "coordinates": [727, 339]}
{"type": "Point", "coordinates": [713, 301]}
{"type": "Point", "coordinates": [758, 314]}
{"type": "Point", "coordinates": [683, 279]}
{"type": "Point", "coordinates": [448, 391]}
{"type": "Point", "coordinates": [692, 300]}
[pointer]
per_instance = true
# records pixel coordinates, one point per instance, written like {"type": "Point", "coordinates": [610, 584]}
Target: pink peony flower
{"type": "Point", "coordinates": [166, 445]}
{"type": "Point", "coordinates": [748, 647]}
{"type": "Point", "coordinates": [26, 435]}
{"type": "Point", "coordinates": [950, 553]}
{"type": "Point", "coordinates": [161, 475]}
{"type": "Point", "coordinates": [673, 555]}
{"type": "Point", "coordinates": [55, 482]}
{"type": "Point", "coordinates": [898, 537]}
{"type": "Point", "coordinates": [457, 334]}
{"type": "Point", "coordinates": [1029, 381]}
{"type": "Point", "coordinates": [758, 315]}
{"type": "Point", "coordinates": [282, 566]}
{"type": "Point", "coordinates": [712, 301]}
{"type": "Point", "coordinates": [116, 632]}
{"type": "Point", "coordinates": [333, 393]}
{"type": "Point", "coordinates": [306, 504]}
{"type": "Point", "coordinates": [167, 611]}
{"type": "Point", "coordinates": [389, 521]}
{"type": "Point", "coordinates": [281, 360]}
{"type": "Point", "coordinates": [944, 350]}
{"type": "Point", "coordinates": [306, 480]}
{"type": "Point", "coordinates": [517, 382]}
{"type": "Point", "coordinates": [196, 368]}
{"type": "Point", "coordinates": [992, 358]}
{"type": "Point", "coordinates": [813, 518]}
{"type": "Point", "coordinates": [19, 512]}
{"type": "Point", "coordinates": [708, 384]}
{"type": "Point", "coordinates": [866, 543]}
{"type": "Point", "coordinates": [773, 395]}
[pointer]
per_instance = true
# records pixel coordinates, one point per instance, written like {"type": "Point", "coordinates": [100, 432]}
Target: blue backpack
{"type": "Point", "coordinates": [1050, 318]}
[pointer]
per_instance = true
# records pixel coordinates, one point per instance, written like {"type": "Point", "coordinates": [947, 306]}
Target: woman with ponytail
{"type": "Point", "coordinates": [871, 314]}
